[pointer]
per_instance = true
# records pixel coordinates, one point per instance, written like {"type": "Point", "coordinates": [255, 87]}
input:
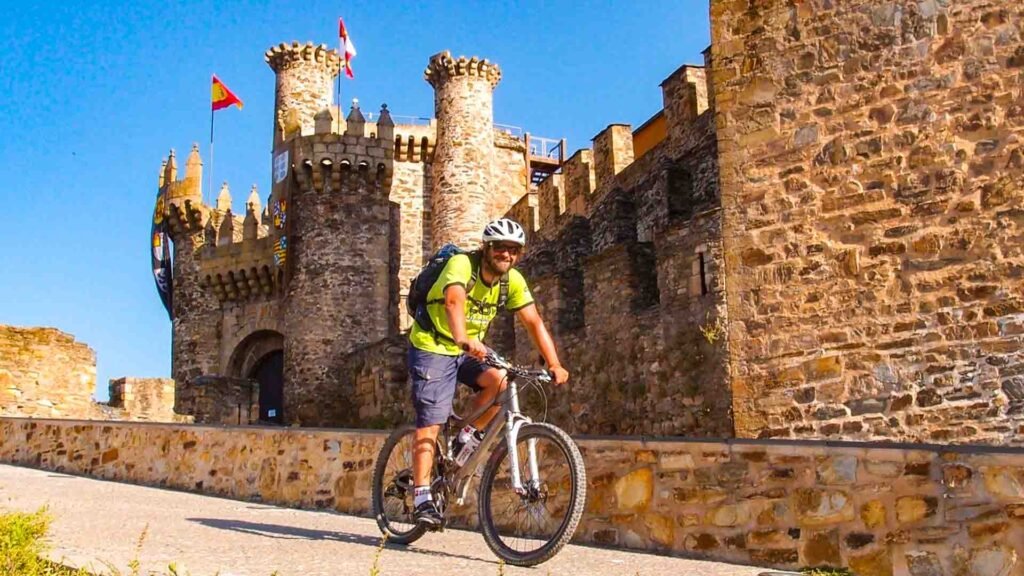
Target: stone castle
{"type": "Point", "coordinates": [818, 236]}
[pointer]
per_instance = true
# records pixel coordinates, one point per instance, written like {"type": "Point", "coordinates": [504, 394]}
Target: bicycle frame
{"type": "Point", "coordinates": [511, 419]}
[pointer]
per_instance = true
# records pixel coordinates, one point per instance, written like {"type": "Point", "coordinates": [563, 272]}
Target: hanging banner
{"type": "Point", "coordinates": [280, 167]}
{"type": "Point", "coordinates": [281, 251]}
{"type": "Point", "coordinates": [280, 212]}
{"type": "Point", "coordinates": [160, 254]}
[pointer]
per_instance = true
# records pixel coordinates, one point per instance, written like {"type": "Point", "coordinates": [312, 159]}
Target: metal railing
{"type": "Point", "coordinates": [399, 119]}
{"type": "Point", "coordinates": [545, 147]}
{"type": "Point", "coordinates": [509, 129]}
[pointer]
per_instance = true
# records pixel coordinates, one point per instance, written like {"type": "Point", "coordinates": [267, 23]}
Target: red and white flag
{"type": "Point", "coordinates": [348, 48]}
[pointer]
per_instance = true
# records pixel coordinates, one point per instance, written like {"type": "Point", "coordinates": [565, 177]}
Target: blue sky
{"type": "Point", "coordinates": [94, 94]}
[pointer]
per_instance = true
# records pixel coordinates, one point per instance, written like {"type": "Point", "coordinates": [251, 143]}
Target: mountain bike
{"type": "Point", "coordinates": [532, 479]}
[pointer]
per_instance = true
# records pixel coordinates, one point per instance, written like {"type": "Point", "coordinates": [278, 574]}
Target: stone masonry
{"type": "Point", "coordinates": [45, 372]}
{"type": "Point", "coordinates": [464, 154]}
{"type": "Point", "coordinates": [872, 165]}
{"type": "Point", "coordinates": [876, 509]}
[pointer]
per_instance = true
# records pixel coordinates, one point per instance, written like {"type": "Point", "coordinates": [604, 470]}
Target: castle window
{"type": "Point", "coordinates": [680, 192]}
{"type": "Point", "coordinates": [703, 275]}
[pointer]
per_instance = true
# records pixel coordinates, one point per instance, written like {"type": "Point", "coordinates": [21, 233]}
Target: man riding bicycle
{"type": "Point", "coordinates": [460, 320]}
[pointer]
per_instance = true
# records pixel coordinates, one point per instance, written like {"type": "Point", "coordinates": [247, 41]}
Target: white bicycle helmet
{"type": "Point", "coordinates": [504, 230]}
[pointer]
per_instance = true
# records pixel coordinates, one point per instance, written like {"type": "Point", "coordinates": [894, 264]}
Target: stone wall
{"type": "Point", "coordinates": [872, 169]}
{"type": "Point", "coordinates": [45, 373]}
{"type": "Point", "coordinates": [224, 400]}
{"type": "Point", "coordinates": [509, 178]}
{"type": "Point", "coordinates": [877, 509]}
{"type": "Point", "coordinates": [410, 191]}
{"type": "Point", "coordinates": [144, 398]}
{"type": "Point", "coordinates": [626, 268]}
{"type": "Point", "coordinates": [379, 380]}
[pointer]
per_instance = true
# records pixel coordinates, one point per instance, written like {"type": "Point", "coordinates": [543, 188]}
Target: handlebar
{"type": "Point", "coordinates": [495, 360]}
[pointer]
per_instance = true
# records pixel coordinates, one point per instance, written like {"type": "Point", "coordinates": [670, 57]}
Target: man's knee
{"type": "Point", "coordinates": [491, 378]}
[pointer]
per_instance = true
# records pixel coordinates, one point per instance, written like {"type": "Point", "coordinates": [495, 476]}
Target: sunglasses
{"type": "Point", "coordinates": [512, 249]}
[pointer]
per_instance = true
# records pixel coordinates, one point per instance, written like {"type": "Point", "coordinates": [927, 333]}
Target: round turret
{"type": "Point", "coordinates": [464, 152]}
{"type": "Point", "coordinates": [305, 75]}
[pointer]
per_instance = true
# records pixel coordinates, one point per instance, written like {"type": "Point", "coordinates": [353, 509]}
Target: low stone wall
{"type": "Point", "coordinates": [45, 372]}
{"type": "Point", "coordinates": [878, 509]}
{"type": "Point", "coordinates": [144, 398]}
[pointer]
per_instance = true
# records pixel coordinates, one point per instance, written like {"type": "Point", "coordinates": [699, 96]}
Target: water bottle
{"type": "Point", "coordinates": [469, 438]}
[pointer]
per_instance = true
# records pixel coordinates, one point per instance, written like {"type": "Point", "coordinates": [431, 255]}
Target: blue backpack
{"type": "Point", "coordinates": [420, 285]}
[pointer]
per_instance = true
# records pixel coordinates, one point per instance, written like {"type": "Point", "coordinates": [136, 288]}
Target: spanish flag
{"type": "Point", "coordinates": [221, 97]}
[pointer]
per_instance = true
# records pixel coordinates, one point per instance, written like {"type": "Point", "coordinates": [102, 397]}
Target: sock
{"type": "Point", "coordinates": [421, 494]}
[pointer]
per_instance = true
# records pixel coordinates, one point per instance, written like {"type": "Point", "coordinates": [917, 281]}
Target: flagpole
{"type": "Point", "coordinates": [209, 179]}
{"type": "Point", "coordinates": [341, 53]}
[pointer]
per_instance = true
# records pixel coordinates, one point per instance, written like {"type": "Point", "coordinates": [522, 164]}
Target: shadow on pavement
{"type": "Point", "coordinates": [295, 533]}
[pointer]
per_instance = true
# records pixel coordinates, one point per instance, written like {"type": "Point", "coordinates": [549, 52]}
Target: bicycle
{"type": "Point", "coordinates": [551, 503]}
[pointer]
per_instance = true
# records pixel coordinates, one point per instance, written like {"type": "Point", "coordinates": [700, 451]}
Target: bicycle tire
{"type": "Point", "coordinates": [379, 470]}
{"type": "Point", "coordinates": [574, 509]}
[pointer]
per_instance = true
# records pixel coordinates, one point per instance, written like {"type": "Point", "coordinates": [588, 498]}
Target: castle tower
{"type": "Point", "coordinates": [464, 153]}
{"type": "Point", "coordinates": [195, 336]}
{"type": "Point", "coordinates": [304, 86]}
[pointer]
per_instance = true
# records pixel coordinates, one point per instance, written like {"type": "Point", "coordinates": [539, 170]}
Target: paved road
{"type": "Point", "coordinates": [99, 522]}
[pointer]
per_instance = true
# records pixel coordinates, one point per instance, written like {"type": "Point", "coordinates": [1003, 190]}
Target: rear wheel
{"type": "Point", "coordinates": [393, 488]}
{"type": "Point", "coordinates": [530, 526]}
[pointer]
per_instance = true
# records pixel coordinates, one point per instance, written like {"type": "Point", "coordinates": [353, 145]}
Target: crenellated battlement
{"type": "Point", "coordinates": [590, 174]}
{"type": "Point", "coordinates": [685, 97]}
{"type": "Point", "coordinates": [328, 161]}
{"type": "Point", "coordinates": [240, 270]}
{"type": "Point", "coordinates": [442, 67]}
{"type": "Point", "coordinates": [285, 56]}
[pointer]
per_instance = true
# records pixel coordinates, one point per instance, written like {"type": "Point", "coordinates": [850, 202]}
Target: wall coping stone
{"type": "Point", "coordinates": [599, 440]}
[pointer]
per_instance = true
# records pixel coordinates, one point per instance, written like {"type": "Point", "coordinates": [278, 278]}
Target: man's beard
{"type": "Point", "coordinates": [495, 267]}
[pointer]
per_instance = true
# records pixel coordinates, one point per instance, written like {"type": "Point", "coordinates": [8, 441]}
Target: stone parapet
{"type": "Point", "coordinates": [525, 212]}
{"type": "Point", "coordinates": [579, 182]}
{"type": "Point", "coordinates": [550, 204]}
{"type": "Point", "coordinates": [685, 97]}
{"type": "Point", "coordinates": [443, 66]}
{"type": "Point", "coordinates": [873, 508]}
{"type": "Point", "coordinates": [285, 56]}
{"type": "Point", "coordinates": [613, 151]}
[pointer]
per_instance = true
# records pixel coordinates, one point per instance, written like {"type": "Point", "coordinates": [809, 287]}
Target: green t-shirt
{"type": "Point", "coordinates": [481, 305]}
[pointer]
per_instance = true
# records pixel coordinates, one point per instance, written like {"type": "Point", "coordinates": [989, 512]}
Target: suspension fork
{"type": "Point", "coordinates": [514, 420]}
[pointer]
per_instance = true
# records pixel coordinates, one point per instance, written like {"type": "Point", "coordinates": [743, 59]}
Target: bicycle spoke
{"type": "Point", "coordinates": [526, 522]}
{"type": "Point", "coordinates": [397, 497]}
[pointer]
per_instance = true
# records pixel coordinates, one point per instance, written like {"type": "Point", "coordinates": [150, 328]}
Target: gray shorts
{"type": "Point", "coordinates": [433, 383]}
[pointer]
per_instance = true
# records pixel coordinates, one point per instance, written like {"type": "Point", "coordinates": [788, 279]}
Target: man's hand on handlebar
{"type": "Point", "coordinates": [561, 375]}
{"type": "Point", "coordinates": [474, 348]}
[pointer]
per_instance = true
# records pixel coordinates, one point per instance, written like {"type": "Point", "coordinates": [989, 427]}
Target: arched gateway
{"type": "Point", "coordinates": [260, 357]}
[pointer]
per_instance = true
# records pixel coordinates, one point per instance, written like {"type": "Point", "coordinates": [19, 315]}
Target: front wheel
{"type": "Point", "coordinates": [528, 526]}
{"type": "Point", "coordinates": [393, 488]}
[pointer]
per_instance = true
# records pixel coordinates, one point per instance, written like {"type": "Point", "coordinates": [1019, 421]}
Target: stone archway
{"type": "Point", "coordinates": [260, 357]}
